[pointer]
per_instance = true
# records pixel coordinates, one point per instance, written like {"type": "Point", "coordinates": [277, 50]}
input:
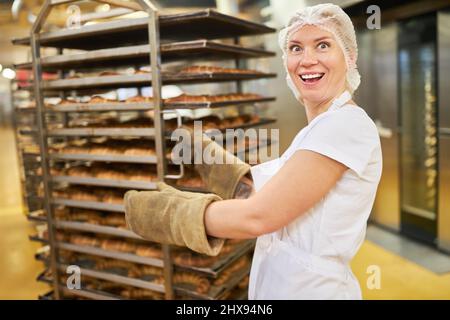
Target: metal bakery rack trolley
{"type": "Point", "coordinates": [84, 211]}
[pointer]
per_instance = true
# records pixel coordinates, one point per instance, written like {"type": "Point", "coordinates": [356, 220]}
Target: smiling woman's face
{"type": "Point", "coordinates": [316, 64]}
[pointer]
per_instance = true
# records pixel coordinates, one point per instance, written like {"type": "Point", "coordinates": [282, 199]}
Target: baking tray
{"type": "Point", "coordinates": [215, 292]}
{"type": "Point", "coordinates": [111, 254]}
{"type": "Point", "coordinates": [37, 239]}
{"type": "Point", "coordinates": [42, 257]}
{"type": "Point", "coordinates": [108, 276]}
{"type": "Point", "coordinates": [201, 105]}
{"type": "Point", "coordinates": [140, 54]}
{"type": "Point", "coordinates": [90, 181]}
{"type": "Point", "coordinates": [207, 24]}
{"type": "Point", "coordinates": [111, 106]}
{"type": "Point", "coordinates": [212, 271]}
{"type": "Point", "coordinates": [140, 80]}
{"type": "Point", "coordinates": [89, 227]}
{"type": "Point", "coordinates": [36, 216]}
{"type": "Point", "coordinates": [99, 132]}
{"type": "Point", "coordinates": [262, 121]}
{"type": "Point", "coordinates": [143, 132]}
{"type": "Point", "coordinates": [46, 296]}
{"type": "Point", "coordinates": [34, 156]}
{"type": "Point", "coordinates": [114, 158]}
{"type": "Point", "coordinates": [89, 204]}
{"type": "Point", "coordinates": [28, 132]}
{"type": "Point", "coordinates": [89, 294]}
{"type": "Point", "coordinates": [223, 263]}
{"type": "Point", "coordinates": [124, 106]}
{"type": "Point", "coordinates": [105, 158]}
{"type": "Point", "coordinates": [43, 278]}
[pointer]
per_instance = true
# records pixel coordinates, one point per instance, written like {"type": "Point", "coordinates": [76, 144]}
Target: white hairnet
{"type": "Point", "coordinates": [333, 19]}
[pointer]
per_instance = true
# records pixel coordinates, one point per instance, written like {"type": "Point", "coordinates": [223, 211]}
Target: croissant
{"type": "Point", "coordinates": [83, 240]}
{"type": "Point", "coordinates": [232, 269]}
{"type": "Point", "coordinates": [147, 251]}
{"type": "Point", "coordinates": [200, 283]}
{"type": "Point", "coordinates": [109, 264]}
{"type": "Point", "coordinates": [212, 69]}
{"type": "Point", "coordinates": [137, 293]}
{"type": "Point", "coordinates": [118, 245]}
{"type": "Point", "coordinates": [116, 220]}
{"type": "Point", "coordinates": [150, 270]}
{"type": "Point", "coordinates": [244, 283]}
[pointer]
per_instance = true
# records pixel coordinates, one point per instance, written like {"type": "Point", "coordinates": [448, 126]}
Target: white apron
{"type": "Point", "coordinates": [282, 270]}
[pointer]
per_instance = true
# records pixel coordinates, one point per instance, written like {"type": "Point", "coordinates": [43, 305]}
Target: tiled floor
{"type": "Point", "coordinates": [421, 254]}
{"type": "Point", "coordinates": [407, 270]}
{"type": "Point", "coordinates": [400, 278]}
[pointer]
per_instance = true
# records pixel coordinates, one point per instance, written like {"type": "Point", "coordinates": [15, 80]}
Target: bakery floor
{"type": "Point", "coordinates": [18, 269]}
{"type": "Point", "coordinates": [404, 275]}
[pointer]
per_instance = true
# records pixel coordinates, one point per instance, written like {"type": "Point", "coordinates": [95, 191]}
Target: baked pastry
{"type": "Point", "coordinates": [244, 283]}
{"type": "Point", "coordinates": [232, 269]}
{"type": "Point", "coordinates": [74, 75]}
{"type": "Point", "coordinates": [191, 182]}
{"type": "Point", "coordinates": [137, 293]}
{"type": "Point", "coordinates": [83, 215]}
{"type": "Point", "coordinates": [98, 99]}
{"type": "Point", "coordinates": [110, 196]}
{"type": "Point", "coordinates": [151, 270]}
{"type": "Point", "coordinates": [188, 258]}
{"type": "Point", "coordinates": [142, 71]}
{"type": "Point", "coordinates": [108, 73]}
{"type": "Point", "coordinates": [83, 240]}
{"type": "Point", "coordinates": [148, 251]}
{"type": "Point", "coordinates": [198, 283]}
{"type": "Point", "coordinates": [114, 220]}
{"type": "Point", "coordinates": [61, 213]}
{"type": "Point", "coordinates": [103, 264]}
{"type": "Point", "coordinates": [138, 99]}
{"type": "Point", "coordinates": [118, 245]}
{"type": "Point", "coordinates": [185, 98]}
{"type": "Point", "coordinates": [212, 69]}
{"type": "Point", "coordinates": [191, 179]}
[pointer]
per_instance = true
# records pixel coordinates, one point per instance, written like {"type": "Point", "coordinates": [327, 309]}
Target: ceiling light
{"type": "Point", "coordinates": [9, 73]}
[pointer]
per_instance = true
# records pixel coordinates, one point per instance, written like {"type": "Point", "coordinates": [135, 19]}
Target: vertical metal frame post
{"type": "Point", "coordinates": [155, 63]}
{"type": "Point", "coordinates": [42, 138]}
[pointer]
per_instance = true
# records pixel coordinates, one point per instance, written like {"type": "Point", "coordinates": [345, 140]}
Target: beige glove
{"type": "Point", "coordinates": [171, 216]}
{"type": "Point", "coordinates": [220, 178]}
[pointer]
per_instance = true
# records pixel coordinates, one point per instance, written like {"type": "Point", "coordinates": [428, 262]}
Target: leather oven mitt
{"type": "Point", "coordinates": [220, 178]}
{"type": "Point", "coordinates": [171, 216]}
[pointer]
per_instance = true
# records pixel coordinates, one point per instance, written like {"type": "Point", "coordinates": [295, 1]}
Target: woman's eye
{"type": "Point", "coordinates": [323, 45]}
{"type": "Point", "coordinates": [295, 48]}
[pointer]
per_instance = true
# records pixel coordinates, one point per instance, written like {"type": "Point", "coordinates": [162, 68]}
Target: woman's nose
{"type": "Point", "coordinates": [309, 58]}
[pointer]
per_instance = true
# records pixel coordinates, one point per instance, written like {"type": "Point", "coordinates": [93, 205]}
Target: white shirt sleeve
{"type": "Point", "coordinates": [347, 135]}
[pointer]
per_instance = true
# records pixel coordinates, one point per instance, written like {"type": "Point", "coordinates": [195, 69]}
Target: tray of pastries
{"type": "Point", "coordinates": [200, 69]}
{"type": "Point", "coordinates": [184, 281]}
{"type": "Point", "coordinates": [84, 193]}
{"type": "Point", "coordinates": [129, 172]}
{"type": "Point", "coordinates": [187, 258]}
{"type": "Point", "coordinates": [206, 101]}
{"type": "Point", "coordinates": [110, 219]}
{"type": "Point", "coordinates": [215, 122]}
{"type": "Point", "coordinates": [110, 146]}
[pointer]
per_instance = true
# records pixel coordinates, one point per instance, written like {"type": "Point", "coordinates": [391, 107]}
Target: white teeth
{"type": "Point", "coordinates": [311, 76]}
